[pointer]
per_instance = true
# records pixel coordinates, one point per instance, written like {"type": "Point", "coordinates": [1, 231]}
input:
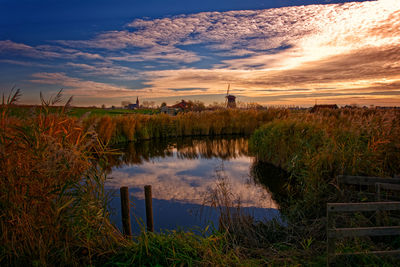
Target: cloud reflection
{"type": "Point", "coordinates": [180, 176]}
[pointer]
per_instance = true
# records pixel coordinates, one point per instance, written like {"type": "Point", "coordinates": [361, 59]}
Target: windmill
{"type": "Point", "coordinates": [230, 99]}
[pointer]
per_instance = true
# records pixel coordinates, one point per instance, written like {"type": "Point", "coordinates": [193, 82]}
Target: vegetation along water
{"type": "Point", "coordinates": [54, 206]}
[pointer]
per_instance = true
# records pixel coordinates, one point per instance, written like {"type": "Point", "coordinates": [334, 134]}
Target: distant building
{"type": "Point", "coordinates": [175, 109]}
{"type": "Point", "coordinates": [318, 107]}
{"type": "Point", "coordinates": [170, 110]}
{"type": "Point", "coordinates": [183, 105]}
{"type": "Point", "coordinates": [134, 106]}
{"type": "Point", "coordinates": [231, 101]}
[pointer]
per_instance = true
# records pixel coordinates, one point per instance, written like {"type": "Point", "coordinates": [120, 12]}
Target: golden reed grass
{"type": "Point", "coordinates": [51, 195]}
{"type": "Point", "coordinates": [208, 123]}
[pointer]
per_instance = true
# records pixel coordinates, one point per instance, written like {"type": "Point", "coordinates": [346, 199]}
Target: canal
{"type": "Point", "coordinates": [186, 174]}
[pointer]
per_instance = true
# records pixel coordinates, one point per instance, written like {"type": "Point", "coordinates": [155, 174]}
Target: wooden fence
{"type": "Point", "coordinates": [363, 180]}
{"type": "Point", "coordinates": [333, 233]}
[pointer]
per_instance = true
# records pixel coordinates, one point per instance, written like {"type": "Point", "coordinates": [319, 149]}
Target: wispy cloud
{"type": "Point", "coordinates": [85, 88]}
{"type": "Point", "coordinates": [104, 69]}
{"type": "Point", "coordinates": [8, 47]}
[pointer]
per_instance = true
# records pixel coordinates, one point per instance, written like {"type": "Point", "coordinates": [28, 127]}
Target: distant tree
{"type": "Point", "coordinates": [163, 104]}
{"type": "Point", "coordinates": [253, 106]}
{"type": "Point", "coordinates": [216, 105]}
{"type": "Point", "coordinates": [103, 106]}
{"type": "Point", "coordinates": [146, 104]}
{"type": "Point", "coordinates": [198, 106]}
{"type": "Point", "coordinates": [125, 103]}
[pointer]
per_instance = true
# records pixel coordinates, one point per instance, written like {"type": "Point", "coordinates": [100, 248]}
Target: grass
{"type": "Point", "coordinates": [80, 111]}
{"type": "Point", "coordinates": [54, 207]}
{"type": "Point", "coordinates": [314, 148]}
{"type": "Point", "coordinates": [22, 111]}
{"type": "Point", "coordinates": [175, 248]}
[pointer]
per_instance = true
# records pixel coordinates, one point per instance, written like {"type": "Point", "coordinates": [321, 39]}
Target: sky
{"type": "Point", "coordinates": [272, 52]}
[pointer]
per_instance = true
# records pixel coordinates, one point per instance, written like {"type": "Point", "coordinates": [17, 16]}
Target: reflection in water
{"type": "Point", "coordinates": [185, 148]}
{"type": "Point", "coordinates": [182, 172]}
{"type": "Point", "coordinates": [272, 178]}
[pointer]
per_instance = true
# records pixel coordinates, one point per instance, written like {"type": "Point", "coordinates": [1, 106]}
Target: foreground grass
{"type": "Point", "coordinates": [176, 248]}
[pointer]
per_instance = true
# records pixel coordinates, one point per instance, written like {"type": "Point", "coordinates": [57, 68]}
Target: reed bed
{"type": "Point", "coordinates": [52, 196]}
{"type": "Point", "coordinates": [136, 127]}
{"type": "Point", "coordinates": [316, 147]}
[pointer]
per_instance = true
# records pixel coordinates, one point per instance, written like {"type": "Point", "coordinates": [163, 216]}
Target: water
{"type": "Point", "coordinates": [183, 174]}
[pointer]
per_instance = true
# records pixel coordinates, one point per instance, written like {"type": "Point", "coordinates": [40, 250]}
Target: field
{"type": "Point", "coordinates": [26, 110]}
{"type": "Point", "coordinates": [54, 207]}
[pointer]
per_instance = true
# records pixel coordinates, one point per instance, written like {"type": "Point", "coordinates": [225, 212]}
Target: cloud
{"type": "Point", "coordinates": [353, 46]}
{"type": "Point", "coordinates": [159, 54]}
{"type": "Point", "coordinates": [105, 69]}
{"type": "Point", "coordinates": [189, 181]}
{"type": "Point", "coordinates": [9, 47]}
{"type": "Point", "coordinates": [266, 53]}
{"type": "Point", "coordinates": [188, 89]}
{"type": "Point", "coordinates": [23, 63]}
{"type": "Point", "coordinates": [85, 88]}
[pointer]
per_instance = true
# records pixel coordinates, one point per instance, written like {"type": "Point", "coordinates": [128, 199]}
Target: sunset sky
{"type": "Point", "coordinates": [273, 52]}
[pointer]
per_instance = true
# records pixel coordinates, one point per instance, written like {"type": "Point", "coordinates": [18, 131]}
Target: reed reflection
{"type": "Point", "coordinates": [184, 170]}
{"type": "Point", "coordinates": [272, 178]}
{"type": "Point", "coordinates": [185, 148]}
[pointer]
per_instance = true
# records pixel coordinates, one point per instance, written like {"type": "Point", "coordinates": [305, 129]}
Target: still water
{"type": "Point", "coordinates": [183, 174]}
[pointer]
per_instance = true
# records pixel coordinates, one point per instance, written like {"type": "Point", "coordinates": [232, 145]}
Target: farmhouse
{"type": "Point", "coordinates": [175, 109]}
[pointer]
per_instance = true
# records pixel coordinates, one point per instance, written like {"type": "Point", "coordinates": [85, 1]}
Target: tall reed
{"type": "Point", "coordinates": [52, 196]}
{"type": "Point", "coordinates": [209, 123]}
{"type": "Point", "coordinates": [315, 148]}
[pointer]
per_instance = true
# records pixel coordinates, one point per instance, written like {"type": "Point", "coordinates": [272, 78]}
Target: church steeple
{"type": "Point", "coordinates": [137, 101]}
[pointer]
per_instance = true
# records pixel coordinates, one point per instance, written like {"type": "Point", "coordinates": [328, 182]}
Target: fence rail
{"type": "Point", "coordinates": [333, 233]}
{"type": "Point", "coordinates": [363, 180]}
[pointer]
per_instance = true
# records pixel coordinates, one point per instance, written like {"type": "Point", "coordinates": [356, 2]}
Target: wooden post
{"type": "Point", "coordinates": [149, 208]}
{"type": "Point", "coordinates": [378, 192]}
{"type": "Point", "coordinates": [126, 218]}
{"type": "Point", "coordinates": [378, 213]}
{"type": "Point", "coordinates": [331, 247]}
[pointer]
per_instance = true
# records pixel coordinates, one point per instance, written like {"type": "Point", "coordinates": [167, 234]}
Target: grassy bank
{"type": "Point", "coordinates": [314, 148]}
